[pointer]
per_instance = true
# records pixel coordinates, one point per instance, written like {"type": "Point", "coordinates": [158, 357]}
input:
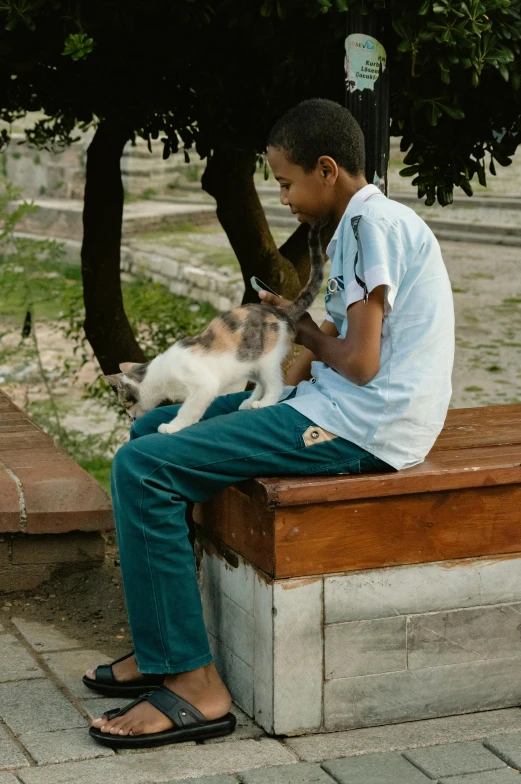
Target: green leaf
{"type": "Point", "coordinates": [503, 70]}
{"type": "Point", "coordinates": [482, 176]}
{"type": "Point", "coordinates": [424, 8]}
{"type": "Point", "coordinates": [466, 186]}
{"type": "Point", "coordinates": [409, 171]}
{"type": "Point", "coordinates": [451, 111]}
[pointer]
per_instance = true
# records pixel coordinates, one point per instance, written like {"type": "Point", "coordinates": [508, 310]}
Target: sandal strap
{"type": "Point", "coordinates": [104, 672]}
{"type": "Point", "coordinates": [180, 712]}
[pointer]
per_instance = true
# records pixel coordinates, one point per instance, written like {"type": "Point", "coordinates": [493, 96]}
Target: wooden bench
{"type": "Point", "coordinates": [352, 601]}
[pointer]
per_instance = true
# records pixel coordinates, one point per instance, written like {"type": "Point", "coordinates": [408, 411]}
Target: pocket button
{"type": "Point", "coordinates": [313, 380]}
{"type": "Point", "coordinates": [314, 434]}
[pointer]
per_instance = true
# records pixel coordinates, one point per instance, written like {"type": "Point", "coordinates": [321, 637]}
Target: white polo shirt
{"type": "Point", "coordinates": [398, 415]}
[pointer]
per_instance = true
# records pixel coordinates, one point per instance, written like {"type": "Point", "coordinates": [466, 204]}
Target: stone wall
{"type": "Point", "coordinates": [61, 174]}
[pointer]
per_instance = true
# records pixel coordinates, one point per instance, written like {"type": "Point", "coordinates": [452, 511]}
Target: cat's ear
{"type": "Point", "coordinates": [127, 367]}
{"type": "Point", "coordinates": [114, 380]}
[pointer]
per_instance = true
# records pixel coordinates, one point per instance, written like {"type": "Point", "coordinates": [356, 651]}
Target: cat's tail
{"type": "Point", "coordinates": [310, 291]}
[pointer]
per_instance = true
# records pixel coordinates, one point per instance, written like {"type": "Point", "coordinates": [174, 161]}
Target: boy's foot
{"type": "Point", "coordinates": [202, 688]}
{"type": "Point", "coordinates": [123, 671]}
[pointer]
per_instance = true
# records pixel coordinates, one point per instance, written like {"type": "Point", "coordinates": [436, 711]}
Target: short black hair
{"type": "Point", "coordinates": [320, 127]}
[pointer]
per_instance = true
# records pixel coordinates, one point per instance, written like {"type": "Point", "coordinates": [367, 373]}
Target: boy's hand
{"type": "Point", "coordinates": [305, 325]}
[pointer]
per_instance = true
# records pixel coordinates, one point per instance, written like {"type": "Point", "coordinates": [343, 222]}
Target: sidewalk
{"type": "Point", "coordinates": [45, 710]}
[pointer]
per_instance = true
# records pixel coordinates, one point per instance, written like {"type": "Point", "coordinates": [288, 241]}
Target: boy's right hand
{"type": "Point", "coordinates": [273, 299]}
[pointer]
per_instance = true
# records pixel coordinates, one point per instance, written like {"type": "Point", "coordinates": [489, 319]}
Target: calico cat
{"type": "Point", "coordinates": [247, 343]}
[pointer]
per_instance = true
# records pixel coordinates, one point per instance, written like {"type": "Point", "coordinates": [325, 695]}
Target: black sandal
{"type": "Point", "coordinates": [190, 724]}
{"type": "Point", "coordinates": [105, 683]}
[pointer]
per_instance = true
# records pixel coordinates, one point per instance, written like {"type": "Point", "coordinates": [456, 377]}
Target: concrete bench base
{"type": "Point", "coordinates": [365, 648]}
{"type": "Point", "coordinates": [354, 601]}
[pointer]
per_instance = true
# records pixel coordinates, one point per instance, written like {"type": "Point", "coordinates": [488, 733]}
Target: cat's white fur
{"type": "Point", "coordinates": [198, 377]}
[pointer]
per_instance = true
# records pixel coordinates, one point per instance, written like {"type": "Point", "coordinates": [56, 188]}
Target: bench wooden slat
{"type": "Point", "coordinates": [447, 470]}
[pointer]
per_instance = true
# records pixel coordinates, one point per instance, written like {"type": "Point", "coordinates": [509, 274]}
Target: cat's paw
{"type": "Point", "coordinates": [168, 428]}
{"type": "Point", "coordinates": [246, 405]}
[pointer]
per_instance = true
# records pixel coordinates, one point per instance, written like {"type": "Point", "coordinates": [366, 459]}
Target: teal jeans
{"type": "Point", "coordinates": [155, 476]}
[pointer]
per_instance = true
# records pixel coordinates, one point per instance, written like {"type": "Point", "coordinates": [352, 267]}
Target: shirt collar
{"type": "Point", "coordinates": [354, 203]}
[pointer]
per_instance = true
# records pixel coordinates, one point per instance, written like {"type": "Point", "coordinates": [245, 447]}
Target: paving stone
{"type": "Point", "coordinates": [17, 663]}
{"type": "Point", "coordinates": [508, 748]}
{"type": "Point", "coordinates": [70, 667]}
{"type": "Point", "coordinates": [165, 765]}
{"type": "Point", "coordinates": [63, 746]}
{"type": "Point", "coordinates": [37, 706]}
{"type": "Point", "coordinates": [453, 759]}
{"type": "Point", "coordinates": [411, 734]}
{"type": "Point", "coordinates": [97, 707]}
{"type": "Point", "coordinates": [6, 778]}
{"type": "Point", "coordinates": [205, 780]}
{"type": "Point", "coordinates": [374, 769]}
{"type": "Point", "coordinates": [302, 773]}
{"type": "Point", "coordinates": [10, 754]}
{"type": "Point", "coordinates": [505, 776]}
{"type": "Point", "coordinates": [43, 637]}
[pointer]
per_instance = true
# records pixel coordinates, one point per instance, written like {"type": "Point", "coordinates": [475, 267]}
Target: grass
{"type": "Point", "coordinates": [99, 468]}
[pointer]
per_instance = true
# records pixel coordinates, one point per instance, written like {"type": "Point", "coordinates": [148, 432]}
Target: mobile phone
{"type": "Point", "coordinates": [258, 285]}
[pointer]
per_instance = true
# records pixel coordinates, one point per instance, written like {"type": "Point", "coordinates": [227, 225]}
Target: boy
{"type": "Point", "coordinates": [369, 392]}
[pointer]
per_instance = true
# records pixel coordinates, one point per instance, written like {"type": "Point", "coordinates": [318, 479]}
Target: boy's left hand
{"type": "Point", "coordinates": [305, 325]}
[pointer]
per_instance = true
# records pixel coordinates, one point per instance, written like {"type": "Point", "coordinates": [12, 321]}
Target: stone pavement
{"type": "Point", "coordinates": [45, 711]}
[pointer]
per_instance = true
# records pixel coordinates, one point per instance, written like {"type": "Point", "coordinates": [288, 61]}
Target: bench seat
{"type": "Point", "coordinates": [320, 592]}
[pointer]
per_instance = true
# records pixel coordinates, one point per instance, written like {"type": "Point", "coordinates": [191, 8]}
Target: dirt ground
{"type": "Point", "coordinates": [87, 605]}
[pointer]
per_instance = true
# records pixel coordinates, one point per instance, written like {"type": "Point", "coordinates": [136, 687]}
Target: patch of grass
{"type": "Point", "coordinates": [192, 172]}
{"type": "Point", "coordinates": [58, 185]}
{"type": "Point", "coordinates": [148, 193]}
{"type": "Point", "coordinates": [477, 275]}
{"type": "Point", "coordinates": [16, 155]}
{"type": "Point", "coordinates": [36, 159]}
{"type": "Point", "coordinates": [457, 290]}
{"type": "Point", "coordinates": [43, 190]}
{"type": "Point", "coordinates": [512, 301]}
{"type": "Point", "coordinates": [494, 369]}
{"type": "Point", "coordinates": [99, 468]}
{"type": "Point", "coordinates": [473, 389]}
{"type": "Point", "coordinates": [183, 227]}
{"type": "Point", "coordinates": [222, 258]}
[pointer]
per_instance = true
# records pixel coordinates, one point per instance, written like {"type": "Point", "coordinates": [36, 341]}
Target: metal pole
{"type": "Point", "coordinates": [367, 90]}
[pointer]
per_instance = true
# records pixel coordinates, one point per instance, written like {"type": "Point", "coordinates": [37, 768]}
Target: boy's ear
{"type": "Point", "coordinates": [115, 380]}
{"type": "Point", "coordinates": [126, 367]}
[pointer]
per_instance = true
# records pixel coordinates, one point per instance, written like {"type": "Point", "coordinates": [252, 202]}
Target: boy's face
{"type": "Point", "coordinates": [310, 196]}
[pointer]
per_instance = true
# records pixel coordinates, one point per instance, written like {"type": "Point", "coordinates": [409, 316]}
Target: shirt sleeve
{"type": "Point", "coordinates": [381, 261]}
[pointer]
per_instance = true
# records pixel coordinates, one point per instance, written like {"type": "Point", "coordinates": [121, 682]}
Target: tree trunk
{"type": "Point", "coordinates": [228, 177]}
{"type": "Point", "coordinates": [106, 325]}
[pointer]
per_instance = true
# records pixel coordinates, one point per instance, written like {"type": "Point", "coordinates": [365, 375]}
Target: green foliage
{"type": "Point", "coordinates": [78, 46]}
{"type": "Point", "coordinates": [38, 286]}
{"type": "Point", "coordinates": [235, 67]}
